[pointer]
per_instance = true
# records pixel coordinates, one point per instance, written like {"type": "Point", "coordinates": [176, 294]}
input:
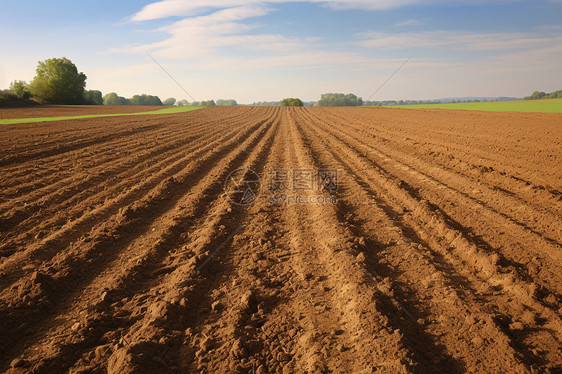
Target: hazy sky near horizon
{"type": "Point", "coordinates": [253, 50]}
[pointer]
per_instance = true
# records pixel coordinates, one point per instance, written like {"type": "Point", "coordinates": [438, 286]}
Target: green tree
{"type": "Point", "coordinates": [229, 102]}
{"type": "Point", "coordinates": [170, 101]}
{"type": "Point", "coordinates": [145, 99]}
{"type": "Point", "coordinates": [339, 99]}
{"type": "Point", "coordinates": [113, 99]}
{"type": "Point", "coordinates": [291, 101]}
{"type": "Point", "coordinates": [93, 97]}
{"type": "Point", "coordinates": [207, 103]}
{"type": "Point", "coordinates": [57, 81]}
{"type": "Point", "coordinates": [20, 89]}
{"type": "Point", "coordinates": [183, 102]}
{"type": "Point", "coordinates": [536, 95]}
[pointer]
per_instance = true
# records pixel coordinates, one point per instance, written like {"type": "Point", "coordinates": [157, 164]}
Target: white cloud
{"type": "Point", "coordinates": [217, 46]}
{"type": "Point", "coordinates": [203, 36]}
{"type": "Point", "coordinates": [549, 28]}
{"type": "Point", "coordinates": [321, 61]}
{"type": "Point", "coordinates": [452, 40]}
{"type": "Point", "coordinates": [171, 8]}
{"type": "Point", "coordinates": [181, 8]}
{"type": "Point", "coordinates": [409, 22]}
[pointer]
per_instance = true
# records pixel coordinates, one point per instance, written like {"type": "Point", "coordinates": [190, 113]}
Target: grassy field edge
{"type": "Point", "coordinates": [12, 121]}
{"type": "Point", "coordinates": [527, 106]}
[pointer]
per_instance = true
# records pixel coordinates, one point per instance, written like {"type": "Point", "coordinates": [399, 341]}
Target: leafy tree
{"type": "Point", "coordinates": [20, 89]}
{"type": "Point", "coordinates": [183, 102]}
{"type": "Point", "coordinates": [170, 101]}
{"type": "Point", "coordinates": [145, 99]}
{"type": "Point", "coordinates": [266, 103]}
{"type": "Point", "coordinates": [536, 96]}
{"type": "Point", "coordinates": [339, 99]}
{"type": "Point", "coordinates": [58, 82]}
{"type": "Point", "coordinates": [556, 95]}
{"type": "Point", "coordinates": [113, 99]}
{"type": "Point", "coordinates": [93, 97]}
{"type": "Point", "coordinates": [207, 103]}
{"type": "Point", "coordinates": [230, 102]}
{"type": "Point", "coordinates": [291, 101]}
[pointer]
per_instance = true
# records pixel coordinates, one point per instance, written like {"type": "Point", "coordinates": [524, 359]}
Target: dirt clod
{"type": "Point", "coordinates": [283, 357]}
{"type": "Point", "coordinates": [18, 362]}
{"type": "Point", "coordinates": [217, 306]}
{"type": "Point", "coordinates": [360, 257]}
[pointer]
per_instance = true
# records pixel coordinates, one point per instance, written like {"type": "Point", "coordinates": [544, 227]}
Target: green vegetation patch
{"type": "Point", "coordinates": [538, 106]}
{"type": "Point", "coordinates": [179, 109]}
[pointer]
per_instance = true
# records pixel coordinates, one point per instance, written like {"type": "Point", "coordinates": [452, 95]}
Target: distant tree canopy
{"type": "Point", "coordinates": [537, 95]}
{"type": "Point", "coordinates": [266, 103]}
{"type": "Point", "coordinates": [58, 82]}
{"type": "Point", "coordinates": [145, 99]}
{"type": "Point", "coordinates": [207, 103]}
{"type": "Point", "coordinates": [229, 102]}
{"type": "Point", "coordinates": [20, 89]}
{"type": "Point", "coordinates": [339, 99]}
{"type": "Point", "coordinates": [291, 101]}
{"type": "Point", "coordinates": [169, 101]}
{"type": "Point", "coordinates": [93, 97]}
{"type": "Point", "coordinates": [113, 99]}
{"type": "Point", "coordinates": [183, 102]}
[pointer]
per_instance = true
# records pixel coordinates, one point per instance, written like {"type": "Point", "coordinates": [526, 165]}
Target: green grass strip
{"type": "Point", "coordinates": [528, 106]}
{"type": "Point", "coordinates": [176, 109]}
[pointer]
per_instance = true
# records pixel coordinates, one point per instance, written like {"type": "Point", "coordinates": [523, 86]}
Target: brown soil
{"type": "Point", "coordinates": [121, 253]}
{"type": "Point", "coordinates": [72, 110]}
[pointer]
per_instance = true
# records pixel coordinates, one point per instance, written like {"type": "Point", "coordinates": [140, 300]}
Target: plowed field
{"type": "Point", "coordinates": [73, 110]}
{"type": "Point", "coordinates": [121, 252]}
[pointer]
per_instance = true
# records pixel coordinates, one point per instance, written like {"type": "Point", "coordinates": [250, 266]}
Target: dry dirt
{"type": "Point", "coordinates": [121, 252]}
{"type": "Point", "coordinates": [73, 110]}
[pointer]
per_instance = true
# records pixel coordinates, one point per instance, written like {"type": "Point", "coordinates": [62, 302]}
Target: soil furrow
{"type": "Point", "coordinates": [171, 225]}
{"type": "Point", "coordinates": [517, 296]}
{"type": "Point", "coordinates": [383, 240]}
{"type": "Point", "coordinates": [104, 191]}
{"type": "Point", "coordinates": [362, 307]}
{"type": "Point", "coordinates": [78, 229]}
{"type": "Point", "coordinates": [454, 324]}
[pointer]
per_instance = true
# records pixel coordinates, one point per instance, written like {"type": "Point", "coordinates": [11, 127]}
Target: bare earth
{"type": "Point", "coordinates": [72, 110]}
{"type": "Point", "coordinates": [121, 252]}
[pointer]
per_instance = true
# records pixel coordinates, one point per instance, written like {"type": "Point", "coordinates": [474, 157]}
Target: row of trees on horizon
{"type": "Point", "coordinates": [539, 95]}
{"type": "Point", "coordinates": [58, 81]}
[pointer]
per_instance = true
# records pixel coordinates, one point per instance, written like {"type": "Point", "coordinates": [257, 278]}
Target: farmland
{"type": "Point", "coordinates": [538, 106]}
{"type": "Point", "coordinates": [65, 112]}
{"type": "Point", "coordinates": [122, 252]}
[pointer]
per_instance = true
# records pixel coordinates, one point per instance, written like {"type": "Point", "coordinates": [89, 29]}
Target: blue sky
{"type": "Point", "coordinates": [253, 50]}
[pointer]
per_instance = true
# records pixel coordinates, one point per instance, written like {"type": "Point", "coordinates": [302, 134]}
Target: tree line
{"type": "Point", "coordinates": [58, 81]}
{"type": "Point", "coordinates": [339, 99]}
{"type": "Point", "coordinates": [539, 95]}
{"type": "Point", "coordinates": [113, 99]}
{"type": "Point", "coordinates": [291, 101]}
{"type": "Point", "coordinates": [219, 102]}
